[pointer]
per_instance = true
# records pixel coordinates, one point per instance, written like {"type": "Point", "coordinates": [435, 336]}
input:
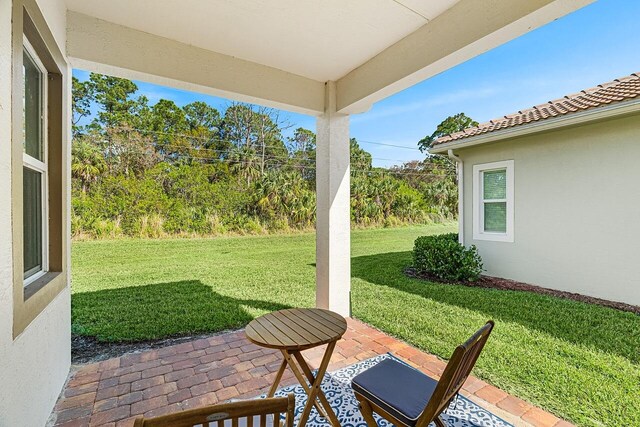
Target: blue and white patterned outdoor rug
{"type": "Point", "coordinates": [337, 388]}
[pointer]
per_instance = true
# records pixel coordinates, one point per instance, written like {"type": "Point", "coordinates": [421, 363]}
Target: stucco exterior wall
{"type": "Point", "coordinates": [33, 365]}
{"type": "Point", "coordinates": [576, 213]}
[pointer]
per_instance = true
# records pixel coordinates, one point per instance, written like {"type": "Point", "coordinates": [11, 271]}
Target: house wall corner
{"type": "Point", "coordinates": [36, 360]}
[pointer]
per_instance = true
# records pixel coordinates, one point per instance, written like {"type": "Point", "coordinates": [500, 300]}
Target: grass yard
{"type": "Point", "coordinates": [579, 361]}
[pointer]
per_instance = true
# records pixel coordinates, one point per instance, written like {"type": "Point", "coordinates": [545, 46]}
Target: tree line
{"type": "Point", "coordinates": [154, 170]}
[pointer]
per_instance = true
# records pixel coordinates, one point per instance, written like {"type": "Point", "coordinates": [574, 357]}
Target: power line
{"type": "Point", "coordinates": [307, 167]}
{"type": "Point", "coordinates": [216, 139]}
{"type": "Point", "coordinates": [388, 145]}
{"type": "Point", "coordinates": [226, 140]}
{"type": "Point", "coordinates": [402, 172]}
{"type": "Point", "coordinates": [222, 152]}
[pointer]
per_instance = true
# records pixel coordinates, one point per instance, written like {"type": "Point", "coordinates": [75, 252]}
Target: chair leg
{"type": "Point", "coordinates": [439, 422]}
{"type": "Point", "coordinates": [367, 412]}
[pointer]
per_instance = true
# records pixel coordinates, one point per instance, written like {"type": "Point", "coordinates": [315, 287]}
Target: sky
{"type": "Point", "coordinates": [593, 45]}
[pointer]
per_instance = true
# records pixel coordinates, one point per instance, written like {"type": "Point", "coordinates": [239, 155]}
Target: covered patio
{"type": "Point", "coordinates": [329, 59]}
{"type": "Point", "coordinates": [227, 366]}
{"type": "Point", "coordinates": [339, 63]}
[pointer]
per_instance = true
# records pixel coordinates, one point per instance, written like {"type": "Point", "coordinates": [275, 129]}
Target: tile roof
{"type": "Point", "coordinates": [619, 90]}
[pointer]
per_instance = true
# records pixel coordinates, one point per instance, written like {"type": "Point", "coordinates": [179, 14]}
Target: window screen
{"type": "Point", "coordinates": [494, 189]}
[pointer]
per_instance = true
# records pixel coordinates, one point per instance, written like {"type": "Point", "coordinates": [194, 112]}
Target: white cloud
{"type": "Point", "coordinates": [430, 102]}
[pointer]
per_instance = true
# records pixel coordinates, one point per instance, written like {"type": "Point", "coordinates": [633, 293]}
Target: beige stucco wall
{"type": "Point", "coordinates": [577, 209]}
{"type": "Point", "coordinates": [34, 364]}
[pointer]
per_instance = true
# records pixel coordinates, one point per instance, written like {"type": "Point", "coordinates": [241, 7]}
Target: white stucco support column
{"type": "Point", "coordinates": [333, 219]}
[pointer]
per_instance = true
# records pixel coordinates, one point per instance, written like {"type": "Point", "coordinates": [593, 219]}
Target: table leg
{"type": "Point", "coordinates": [323, 399]}
{"type": "Point", "coordinates": [315, 387]}
{"type": "Point", "coordinates": [301, 380]}
{"type": "Point", "coordinates": [274, 387]}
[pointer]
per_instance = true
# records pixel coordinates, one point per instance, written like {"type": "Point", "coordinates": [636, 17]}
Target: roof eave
{"type": "Point", "coordinates": [595, 114]}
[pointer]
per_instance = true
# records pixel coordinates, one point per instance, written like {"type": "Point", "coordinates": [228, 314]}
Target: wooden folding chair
{"type": "Point", "coordinates": [407, 397]}
{"type": "Point", "coordinates": [249, 413]}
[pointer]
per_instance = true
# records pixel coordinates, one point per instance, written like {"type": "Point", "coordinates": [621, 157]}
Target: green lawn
{"type": "Point", "coordinates": [579, 361]}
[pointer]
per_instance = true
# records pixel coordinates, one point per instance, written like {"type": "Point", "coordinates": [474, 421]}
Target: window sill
{"type": "Point", "coordinates": [33, 287]}
{"type": "Point", "coordinates": [493, 237]}
{"type": "Point", "coordinates": [31, 300]}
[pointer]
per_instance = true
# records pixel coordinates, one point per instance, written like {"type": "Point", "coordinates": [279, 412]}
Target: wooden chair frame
{"type": "Point", "coordinates": [455, 374]}
{"type": "Point", "coordinates": [233, 411]}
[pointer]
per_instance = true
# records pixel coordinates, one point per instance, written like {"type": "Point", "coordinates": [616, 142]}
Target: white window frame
{"type": "Point", "coordinates": [40, 166]}
{"type": "Point", "coordinates": [478, 202]}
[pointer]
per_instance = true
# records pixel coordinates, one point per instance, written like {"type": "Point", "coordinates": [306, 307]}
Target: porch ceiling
{"type": "Point", "coordinates": [320, 40]}
{"type": "Point", "coordinates": [281, 52]}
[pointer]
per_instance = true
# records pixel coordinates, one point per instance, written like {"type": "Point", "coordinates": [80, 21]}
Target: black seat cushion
{"type": "Point", "coordinates": [397, 388]}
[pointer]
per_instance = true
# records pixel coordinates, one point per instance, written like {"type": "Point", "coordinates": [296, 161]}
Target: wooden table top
{"type": "Point", "coordinates": [296, 328]}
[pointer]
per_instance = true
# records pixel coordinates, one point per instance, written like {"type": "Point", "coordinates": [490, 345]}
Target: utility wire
{"type": "Point", "coordinates": [224, 140]}
{"type": "Point", "coordinates": [403, 172]}
{"type": "Point", "coordinates": [222, 152]}
{"type": "Point", "coordinates": [388, 145]}
{"type": "Point", "coordinates": [306, 167]}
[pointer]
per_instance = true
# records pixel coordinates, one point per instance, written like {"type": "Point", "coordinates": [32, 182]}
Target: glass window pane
{"type": "Point", "coordinates": [32, 211]}
{"type": "Point", "coordinates": [495, 217]}
{"type": "Point", "coordinates": [32, 131]}
{"type": "Point", "coordinates": [495, 184]}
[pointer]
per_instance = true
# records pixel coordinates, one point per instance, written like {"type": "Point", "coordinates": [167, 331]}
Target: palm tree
{"type": "Point", "coordinates": [442, 194]}
{"type": "Point", "coordinates": [246, 162]}
{"type": "Point", "coordinates": [87, 163]}
{"type": "Point", "coordinates": [286, 195]}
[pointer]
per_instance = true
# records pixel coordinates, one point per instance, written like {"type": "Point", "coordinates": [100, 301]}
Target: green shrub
{"type": "Point", "coordinates": [105, 228]}
{"type": "Point", "coordinates": [443, 257]}
{"type": "Point", "coordinates": [192, 198]}
{"type": "Point", "coordinates": [253, 226]}
{"type": "Point", "coordinates": [215, 226]}
{"type": "Point", "coordinates": [243, 224]}
{"type": "Point", "coordinates": [151, 226]}
{"type": "Point", "coordinates": [279, 224]}
{"type": "Point", "coordinates": [392, 221]}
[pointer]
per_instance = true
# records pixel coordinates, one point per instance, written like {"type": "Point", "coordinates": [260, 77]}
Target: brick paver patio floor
{"type": "Point", "coordinates": [222, 367]}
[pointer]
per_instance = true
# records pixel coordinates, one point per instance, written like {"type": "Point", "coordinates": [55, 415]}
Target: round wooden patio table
{"type": "Point", "coordinates": [292, 331]}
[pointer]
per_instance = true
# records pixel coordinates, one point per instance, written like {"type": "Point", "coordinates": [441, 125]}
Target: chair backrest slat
{"type": "Point", "coordinates": [228, 414]}
{"type": "Point", "coordinates": [291, 408]}
{"type": "Point", "coordinates": [455, 374]}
